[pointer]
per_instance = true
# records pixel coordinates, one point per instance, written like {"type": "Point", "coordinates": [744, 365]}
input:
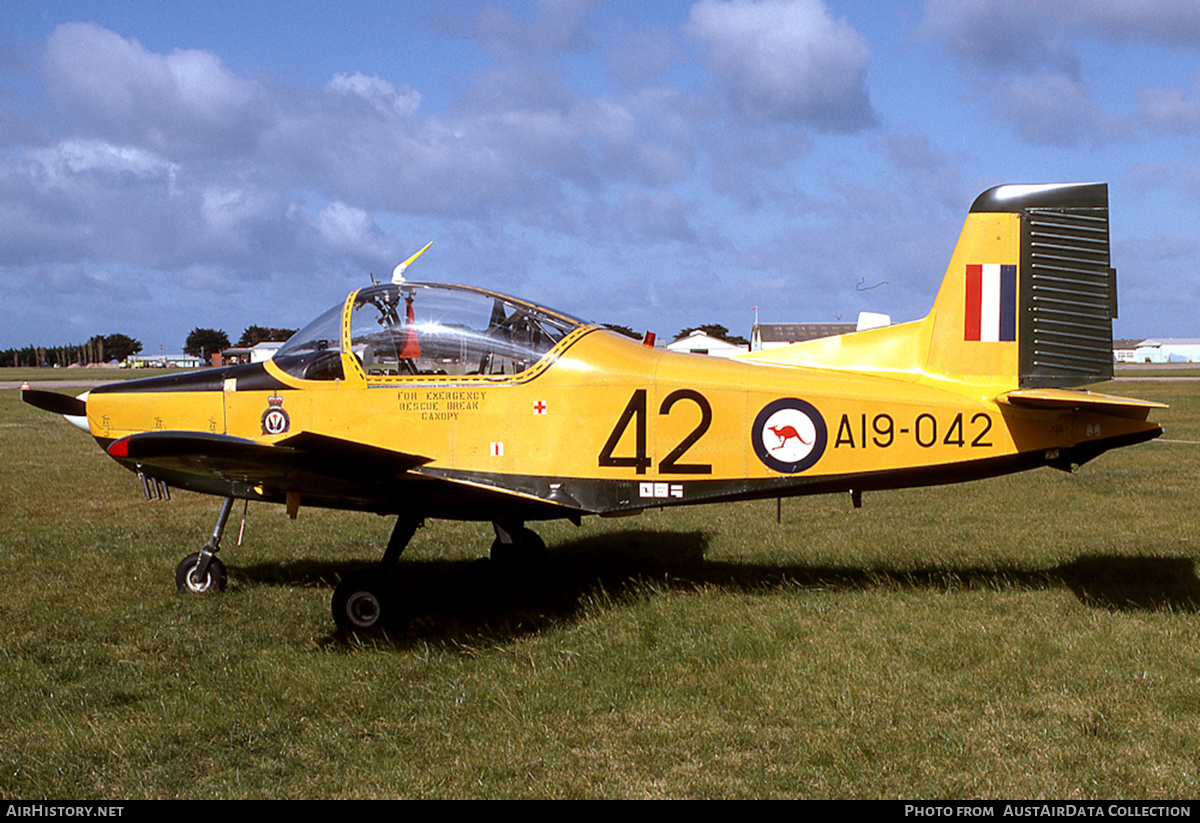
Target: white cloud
{"type": "Point", "coordinates": [1054, 110]}
{"type": "Point", "coordinates": [1025, 34]}
{"type": "Point", "coordinates": [639, 57]}
{"type": "Point", "coordinates": [556, 25]}
{"type": "Point", "coordinates": [354, 232]}
{"type": "Point", "coordinates": [1029, 52]}
{"type": "Point", "coordinates": [88, 199]}
{"type": "Point", "coordinates": [518, 139]}
{"type": "Point", "coordinates": [225, 209]}
{"type": "Point", "coordinates": [1036, 34]}
{"type": "Point", "coordinates": [387, 99]}
{"type": "Point", "coordinates": [786, 60]}
{"type": "Point", "coordinates": [923, 167]}
{"type": "Point", "coordinates": [1171, 22]}
{"type": "Point", "coordinates": [186, 100]}
{"type": "Point", "coordinates": [1170, 109]}
{"type": "Point", "coordinates": [62, 163]}
{"type": "Point", "coordinates": [645, 214]}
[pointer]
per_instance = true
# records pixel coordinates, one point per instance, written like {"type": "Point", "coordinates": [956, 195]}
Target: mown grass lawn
{"type": "Point", "coordinates": [1030, 636]}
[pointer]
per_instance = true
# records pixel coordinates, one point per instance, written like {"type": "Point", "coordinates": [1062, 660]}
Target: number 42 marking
{"type": "Point", "coordinates": [635, 413]}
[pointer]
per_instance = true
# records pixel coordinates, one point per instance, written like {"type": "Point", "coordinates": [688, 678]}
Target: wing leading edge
{"type": "Point", "coordinates": [324, 470]}
{"type": "Point", "coordinates": [313, 452]}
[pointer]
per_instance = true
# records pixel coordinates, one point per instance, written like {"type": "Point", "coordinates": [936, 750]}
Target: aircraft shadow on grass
{"type": "Point", "coordinates": [441, 599]}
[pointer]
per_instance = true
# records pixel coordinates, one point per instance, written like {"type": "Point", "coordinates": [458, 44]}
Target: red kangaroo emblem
{"type": "Point", "coordinates": [785, 434]}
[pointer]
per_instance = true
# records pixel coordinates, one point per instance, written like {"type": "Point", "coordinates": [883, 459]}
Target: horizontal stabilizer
{"type": "Point", "coordinates": [54, 402]}
{"type": "Point", "coordinates": [1068, 400]}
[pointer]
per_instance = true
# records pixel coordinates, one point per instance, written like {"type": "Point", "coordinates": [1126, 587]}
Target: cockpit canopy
{"type": "Point", "coordinates": [425, 329]}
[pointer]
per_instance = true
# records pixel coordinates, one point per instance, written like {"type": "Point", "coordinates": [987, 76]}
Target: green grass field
{"type": "Point", "coordinates": [33, 375]}
{"type": "Point", "coordinates": [1031, 636]}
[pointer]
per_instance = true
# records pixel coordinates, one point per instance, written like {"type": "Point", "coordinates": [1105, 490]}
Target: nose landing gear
{"type": "Point", "coordinates": [201, 571]}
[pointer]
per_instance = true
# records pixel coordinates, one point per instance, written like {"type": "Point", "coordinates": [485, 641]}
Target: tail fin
{"type": "Point", "coordinates": [1029, 294]}
{"type": "Point", "coordinates": [1027, 301]}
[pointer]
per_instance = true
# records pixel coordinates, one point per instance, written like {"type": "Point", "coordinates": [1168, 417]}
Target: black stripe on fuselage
{"type": "Point", "coordinates": [250, 377]}
{"type": "Point", "coordinates": [595, 496]}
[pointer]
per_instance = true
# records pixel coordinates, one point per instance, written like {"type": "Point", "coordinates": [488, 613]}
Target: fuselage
{"type": "Point", "coordinates": [596, 423]}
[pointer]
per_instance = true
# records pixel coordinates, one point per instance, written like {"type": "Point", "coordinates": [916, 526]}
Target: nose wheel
{"type": "Point", "coordinates": [201, 571]}
{"type": "Point", "coordinates": [190, 580]}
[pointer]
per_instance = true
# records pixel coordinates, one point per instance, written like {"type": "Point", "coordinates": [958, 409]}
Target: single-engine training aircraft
{"type": "Point", "coordinates": [425, 400]}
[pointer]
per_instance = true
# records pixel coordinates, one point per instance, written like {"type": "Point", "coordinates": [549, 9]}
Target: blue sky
{"type": "Point", "coordinates": [165, 166]}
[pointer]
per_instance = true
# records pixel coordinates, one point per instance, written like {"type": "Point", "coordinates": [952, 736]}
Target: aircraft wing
{"type": "Point", "coordinates": [303, 460]}
{"type": "Point", "coordinates": [323, 471]}
{"type": "Point", "coordinates": [1071, 400]}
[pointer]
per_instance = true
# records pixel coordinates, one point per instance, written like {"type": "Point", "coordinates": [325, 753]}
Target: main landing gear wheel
{"type": "Point", "coordinates": [189, 581]}
{"type": "Point", "coordinates": [365, 599]}
{"type": "Point", "coordinates": [516, 545]}
{"type": "Point", "coordinates": [362, 601]}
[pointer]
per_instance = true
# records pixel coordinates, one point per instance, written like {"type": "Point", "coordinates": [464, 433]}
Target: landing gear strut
{"type": "Point", "coordinates": [365, 599]}
{"type": "Point", "coordinates": [201, 571]}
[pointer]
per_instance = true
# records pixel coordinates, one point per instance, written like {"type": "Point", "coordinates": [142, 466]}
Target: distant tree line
{"type": "Point", "coordinates": [253, 335]}
{"type": "Point", "coordinates": [621, 329]}
{"type": "Point", "coordinates": [104, 348]}
{"type": "Point", "coordinates": [99, 349]}
{"type": "Point", "coordinates": [203, 343]}
{"type": "Point", "coordinates": [714, 330]}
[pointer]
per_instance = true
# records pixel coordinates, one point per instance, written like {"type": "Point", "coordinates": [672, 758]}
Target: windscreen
{"type": "Point", "coordinates": [315, 352]}
{"type": "Point", "coordinates": [427, 329]}
{"type": "Point", "coordinates": [424, 328]}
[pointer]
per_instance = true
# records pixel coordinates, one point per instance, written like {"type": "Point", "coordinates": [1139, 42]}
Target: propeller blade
{"type": "Point", "coordinates": [54, 402]}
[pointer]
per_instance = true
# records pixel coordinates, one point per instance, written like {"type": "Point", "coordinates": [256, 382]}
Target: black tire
{"type": "Point", "coordinates": [362, 602]}
{"type": "Point", "coordinates": [187, 582]}
{"type": "Point", "coordinates": [527, 549]}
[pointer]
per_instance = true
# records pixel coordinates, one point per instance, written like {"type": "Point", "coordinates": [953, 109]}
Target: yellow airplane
{"type": "Point", "coordinates": [427, 400]}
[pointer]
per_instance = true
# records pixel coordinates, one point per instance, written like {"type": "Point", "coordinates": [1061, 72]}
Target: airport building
{"type": "Point", "coordinates": [700, 343]}
{"type": "Point", "coordinates": [1159, 350]}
